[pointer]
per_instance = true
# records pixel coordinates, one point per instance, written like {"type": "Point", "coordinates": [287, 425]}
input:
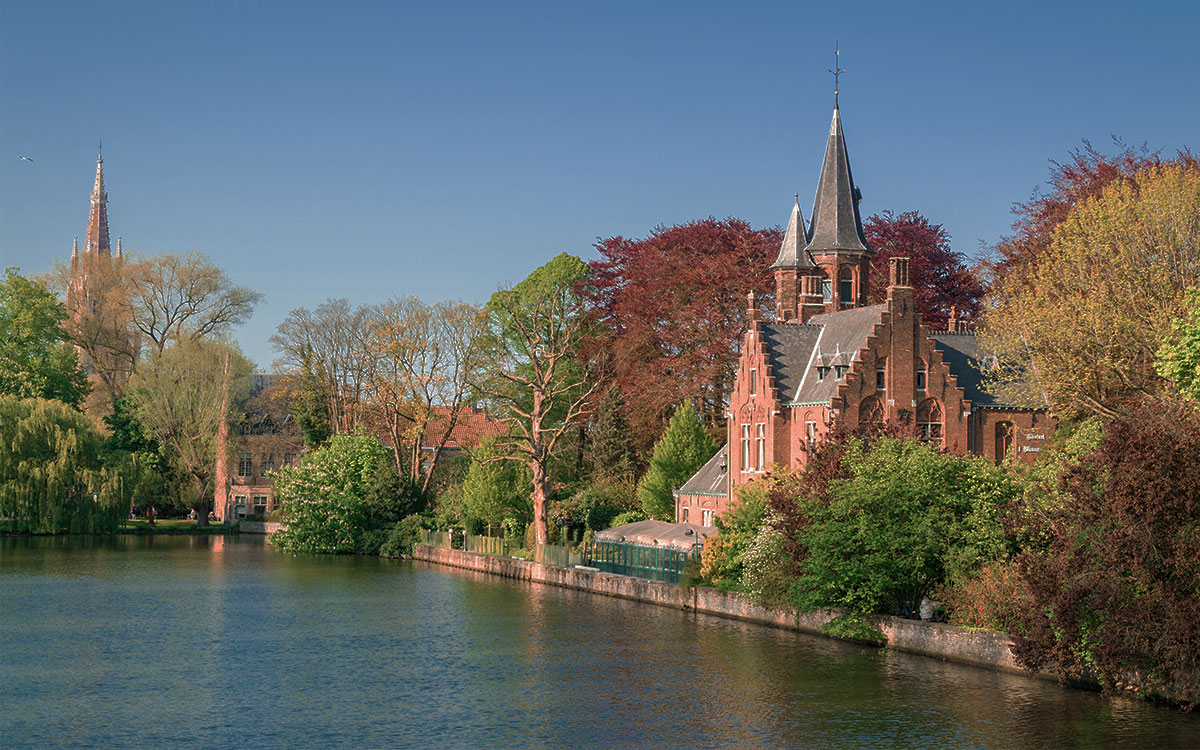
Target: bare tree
{"type": "Point", "coordinates": [427, 357]}
{"type": "Point", "coordinates": [172, 297]}
{"type": "Point", "coordinates": [332, 342]}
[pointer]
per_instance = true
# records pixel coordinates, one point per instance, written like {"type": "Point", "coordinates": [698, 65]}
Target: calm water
{"type": "Point", "coordinates": [198, 642]}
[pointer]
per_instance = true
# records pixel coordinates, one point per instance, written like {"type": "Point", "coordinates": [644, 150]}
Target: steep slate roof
{"type": "Point", "coordinates": [710, 480]}
{"type": "Point", "coordinates": [965, 357]}
{"type": "Point", "coordinates": [794, 350]}
{"type": "Point", "coordinates": [836, 223]}
{"type": "Point", "coordinates": [791, 251]}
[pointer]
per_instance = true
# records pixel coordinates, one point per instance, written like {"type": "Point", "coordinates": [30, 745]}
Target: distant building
{"type": "Point", "coordinates": [105, 339]}
{"type": "Point", "coordinates": [829, 358]}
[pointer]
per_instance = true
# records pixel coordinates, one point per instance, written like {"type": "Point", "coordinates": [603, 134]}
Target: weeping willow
{"type": "Point", "coordinates": [51, 476]}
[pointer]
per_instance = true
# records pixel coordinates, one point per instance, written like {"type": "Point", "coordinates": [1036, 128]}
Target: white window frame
{"type": "Point", "coordinates": [745, 447]}
{"type": "Point", "coordinates": [760, 439]}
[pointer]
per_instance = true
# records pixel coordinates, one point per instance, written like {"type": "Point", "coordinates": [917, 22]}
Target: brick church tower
{"type": "Point", "coordinates": [105, 339]}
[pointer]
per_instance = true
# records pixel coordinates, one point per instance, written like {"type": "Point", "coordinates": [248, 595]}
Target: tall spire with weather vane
{"type": "Point", "coordinates": [96, 242]}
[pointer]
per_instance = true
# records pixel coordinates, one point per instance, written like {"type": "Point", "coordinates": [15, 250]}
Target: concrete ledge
{"type": "Point", "coordinates": [979, 648]}
{"type": "Point", "coordinates": [259, 527]}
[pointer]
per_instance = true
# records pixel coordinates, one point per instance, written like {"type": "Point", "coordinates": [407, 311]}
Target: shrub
{"type": "Point", "coordinates": [402, 537]}
{"type": "Point", "coordinates": [629, 516]}
{"type": "Point", "coordinates": [324, 497]}
{"type": "Point", "coordinates": [723, 555]}
{"type": "Point", "coordinates": [994, 598]}
{"type": "Point", "coordinates": [1115, 591]}
{"type": "Point", "coordinates": [902, 516]}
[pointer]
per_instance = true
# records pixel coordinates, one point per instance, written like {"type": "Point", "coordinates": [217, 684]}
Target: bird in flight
{"type": "Point", "coordinates": [24, 158]}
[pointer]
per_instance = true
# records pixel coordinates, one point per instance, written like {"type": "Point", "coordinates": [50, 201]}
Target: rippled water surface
{"type": "Point", "coordinates": [223, 642]}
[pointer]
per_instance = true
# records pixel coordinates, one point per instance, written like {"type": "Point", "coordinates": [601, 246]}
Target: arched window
{"type": "Point", "coordinates": [846, 285]}
{"type": "Point", "coordinates": [870, 411]}
{"type": "Point", "coordinates": [1004, 440]}
{"type": "Point", "coordinates": [929, 420]}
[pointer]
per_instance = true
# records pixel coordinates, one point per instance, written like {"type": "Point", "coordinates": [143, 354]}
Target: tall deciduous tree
{"type": "Point", "coordinates": [939, 276]}
{"type": "Point", "coordinates": [427, 356]}
{"type": "Point", "coordinates": [174, 297]}
{"type": "Point", "coordinates": [1084, 175]}
{"type": "Point", "coordinates": [535, 332]}
{"type": "Point", "coordinates": [35, 358]}
{"type": "Point", "coordinates": [674, 303]}
{"type": "Point", "coordinates": [178, 396]}
{"type": "Point", "coordinates": [679, 454]}
{"type": "Point", "coordinates": [330, 342]}
{"type": "Point", "coordinates": [1091, 313]}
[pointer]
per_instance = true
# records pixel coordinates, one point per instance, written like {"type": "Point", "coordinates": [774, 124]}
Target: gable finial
{"type": "Point", "coordinates": [99, 148]}
{"type": "Point", "coordinates": [837, 72]}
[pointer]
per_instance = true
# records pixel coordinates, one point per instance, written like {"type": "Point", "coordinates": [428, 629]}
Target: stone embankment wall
{"type": "Point", "coordinates": [259, 527]}
{"type": "Point", "coordinates": [927, 638]}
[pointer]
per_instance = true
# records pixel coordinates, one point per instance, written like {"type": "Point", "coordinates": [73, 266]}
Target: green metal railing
{"type": "Point", "coordinates": [488, 545]}
{"type": "Point", "coordinates": [553, 554]}
{"type": "Point", "coordinates": [655, 563]}
{"type": "Point", "coordinates": [435, 538]}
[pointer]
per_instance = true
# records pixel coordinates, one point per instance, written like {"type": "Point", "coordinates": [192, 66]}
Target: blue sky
{"type": "Point", "coordinates": [442, 149]}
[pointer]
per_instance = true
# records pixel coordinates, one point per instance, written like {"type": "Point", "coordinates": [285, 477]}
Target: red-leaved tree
{"type": "Point", "coordinates": [675, 306]}
{"type": "Point", "coordinates": [1115, 592]}
{"type": "Point", "coordinates": [940, 276]}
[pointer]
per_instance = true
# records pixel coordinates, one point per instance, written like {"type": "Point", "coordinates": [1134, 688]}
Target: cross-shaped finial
{"type": "Point", "coordinates": [837, 71]}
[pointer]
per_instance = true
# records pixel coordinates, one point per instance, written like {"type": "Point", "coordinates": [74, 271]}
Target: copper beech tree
{"type": "Point", "coordinates": [674, 307]}
{"type": "Point", "coordinates": [536, 378]}
{"type": "Point", "coordinates": [940, 277]}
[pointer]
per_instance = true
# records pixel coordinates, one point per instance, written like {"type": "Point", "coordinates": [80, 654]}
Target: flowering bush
{"type": "Point", "coordinates": [324, 497]}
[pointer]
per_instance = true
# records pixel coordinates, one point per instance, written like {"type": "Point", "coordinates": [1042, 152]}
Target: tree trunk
{"type": "Point", "coordinates": [541, 502]}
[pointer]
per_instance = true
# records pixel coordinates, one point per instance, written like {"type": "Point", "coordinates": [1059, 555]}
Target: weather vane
{"type": "Point", "coordinates": [837, 71]}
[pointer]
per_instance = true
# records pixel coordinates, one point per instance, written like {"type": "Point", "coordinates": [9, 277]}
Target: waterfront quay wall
{"type": "Point", "coordinates": [259, 527]}
{"type": "Point", "coordinates": [934, 639]}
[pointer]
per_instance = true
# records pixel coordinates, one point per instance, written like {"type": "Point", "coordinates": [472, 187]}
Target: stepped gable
{"type": "Point", "coordinates": [710, 479]}
{"type": "Point", "coordinates": [795, 351]}
{"type": "Point", "coordinates": [967, 360]}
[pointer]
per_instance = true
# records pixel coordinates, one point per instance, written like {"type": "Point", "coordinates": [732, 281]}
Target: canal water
{"type": "Point", "coordinates": [211, 642]}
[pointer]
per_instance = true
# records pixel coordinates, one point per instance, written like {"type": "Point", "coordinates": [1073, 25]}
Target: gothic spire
{"type": "Point", "coordinates": [836, 223]}
{"type": "Point", "coordinates": [96, 242]}
{"type": "Point", "coordinates": [791, 252]}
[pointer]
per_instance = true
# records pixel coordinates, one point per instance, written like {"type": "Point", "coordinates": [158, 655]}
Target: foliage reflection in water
{"type": "Point", "coordinates": [210, 641]}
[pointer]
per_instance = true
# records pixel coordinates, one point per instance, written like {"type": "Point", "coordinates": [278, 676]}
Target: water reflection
{"type": "Point", "coordinates": [209, 641]}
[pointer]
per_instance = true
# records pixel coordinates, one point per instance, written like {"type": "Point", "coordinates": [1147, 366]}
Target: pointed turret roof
{"type": "Point", "coordinates": [791, 252]}
{"type": "Point", "coordinates": [96, 242]}
{"type": "Point", "coordinates": [836, 224]}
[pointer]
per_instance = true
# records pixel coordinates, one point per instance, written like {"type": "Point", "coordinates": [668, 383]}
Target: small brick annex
{"type": "Point", "coordinates": [829, 358]}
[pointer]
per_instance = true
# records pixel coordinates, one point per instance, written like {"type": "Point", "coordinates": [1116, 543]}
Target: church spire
{"type": "Point", "coordinates": [96, 242]}
{"type": "Point", "coordinates": [836, 223]}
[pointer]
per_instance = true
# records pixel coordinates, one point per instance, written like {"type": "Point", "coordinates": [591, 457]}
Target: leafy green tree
{"type": "Point", "coordinates": [1179, 356]}
{"type": "Point", "coordinates": [51, 476]}
{"type": "Point", "coordinates": [178, 397]}
{"type": "Point", "coordinates": [145, 471]}
{"type": "Point", "coordinates": [495, 489]}
{"type": "Point", "coordinates": [36, 360]}
{"type": "Point", "coordinates": [679, 454]}
{"type": "Point", "coordinates": [903, 519]}
{"type": "Point", "coordinates": [324, 497]}
{"type": "Point", "coordinates": [537, 381]}
{"type": "Point", "coordinates": [310, 400]}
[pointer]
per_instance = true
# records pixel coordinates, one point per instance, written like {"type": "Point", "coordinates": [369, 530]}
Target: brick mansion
{"type": "Point", "coordinates": [827, 358]}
